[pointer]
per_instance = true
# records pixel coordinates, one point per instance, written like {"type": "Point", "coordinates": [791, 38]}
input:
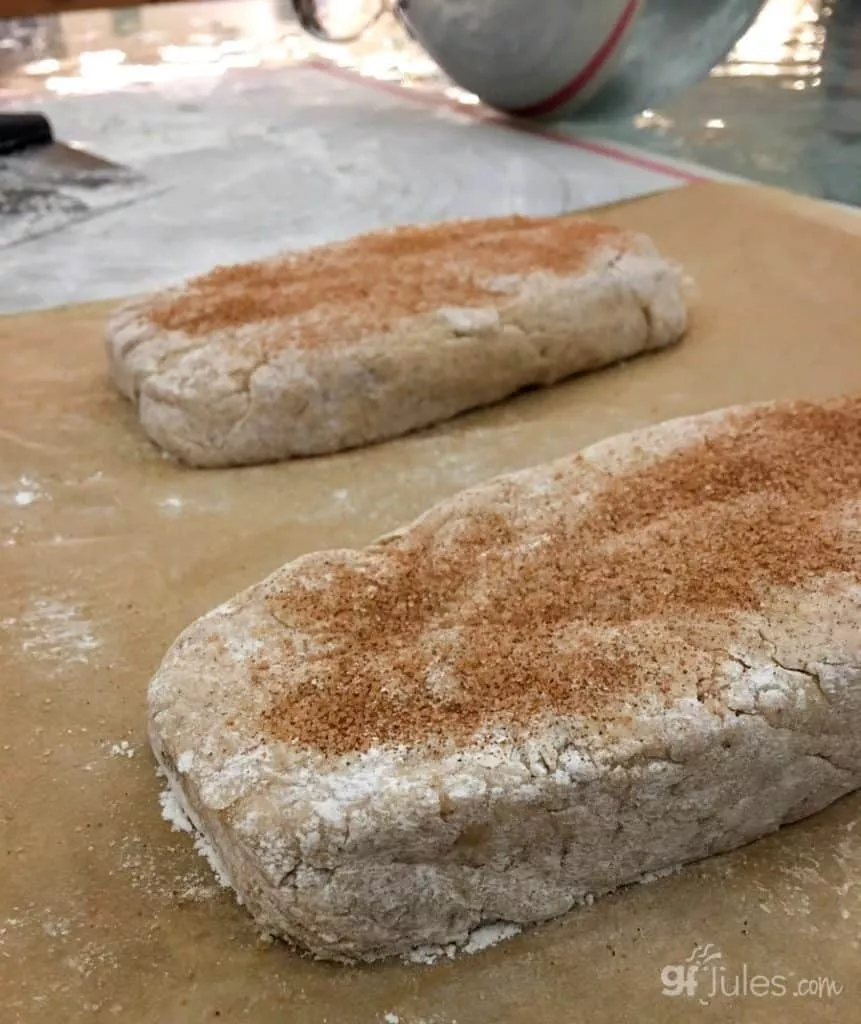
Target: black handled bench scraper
{"type": "Point", "coordinates": [46, 184]}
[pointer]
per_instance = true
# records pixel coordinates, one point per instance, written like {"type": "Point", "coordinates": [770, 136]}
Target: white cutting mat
{"type": "Point", "coordinates": [267, 160]}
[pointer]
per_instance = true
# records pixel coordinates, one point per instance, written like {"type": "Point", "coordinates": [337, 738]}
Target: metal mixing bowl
{"type": "Point", "coordinates": [571, 58]}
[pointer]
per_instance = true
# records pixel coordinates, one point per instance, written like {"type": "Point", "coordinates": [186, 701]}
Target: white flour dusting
{"type": "Point", "coordinates": [146, 872]}
{"type": "Point", "coordinates": [172, 811]}
{"type": "Point", "coordinates": [341, 498]}
{"type": "Point", "coordinates": [11, 540]}
{"type": "Point", "coordinates": [654, 876]}
{"type": "Point", "coordinates": [207, 851]}
{"type": "Point", "coordinates": [488, 935]}
{"type": "Point", "coordinates": [429, 954]}
{"type": "Point", "coordinates": [58, 928]}
{"type": "Point", "coordinates": [481, 938]}
{"type": "Point", "coordinates": [23, 492]}
{"type": "Point", "coordinates": [122, 749]}
{"type": "Point", "coordinates": [57, 631]}
{"type": "Point", "coordinates": [91, 957]}
{"type": "Point", "coordinates": [172, 503]}
{"type": "Point", "coordinates": [176, 505]}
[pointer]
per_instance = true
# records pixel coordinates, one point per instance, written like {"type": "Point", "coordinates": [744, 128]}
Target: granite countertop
{"type": "Point", "coordinates": [241, 166]}
{"type": "Point", "coordinates": [252, 138]}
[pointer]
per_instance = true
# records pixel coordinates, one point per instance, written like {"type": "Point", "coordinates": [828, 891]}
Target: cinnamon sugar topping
{"type": "Point", "coordinates": [341, 292]}
{"type": "Point", "coordinates": [471, 620]}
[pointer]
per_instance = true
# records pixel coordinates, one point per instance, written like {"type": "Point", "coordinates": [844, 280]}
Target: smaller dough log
{"type": "Point", "coordinates": [359, 341]}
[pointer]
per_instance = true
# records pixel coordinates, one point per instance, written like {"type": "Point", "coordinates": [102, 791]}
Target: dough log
{"type": "Point", "coordinates": [359, 341]}
{"type": "Point", "coordinates": [544, 688]}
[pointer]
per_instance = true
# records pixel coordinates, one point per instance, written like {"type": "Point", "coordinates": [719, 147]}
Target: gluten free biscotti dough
{"type": "Point", "coordinates": [542, 689]}
{"type": "Point", "coordinates": [359, 341]}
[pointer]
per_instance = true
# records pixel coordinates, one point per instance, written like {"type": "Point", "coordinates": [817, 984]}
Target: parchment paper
{"type": "Point", "coordinates": [108, 550]}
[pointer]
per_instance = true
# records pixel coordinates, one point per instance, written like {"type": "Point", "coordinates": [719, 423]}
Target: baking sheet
{"type": "Point", "coordinates": [107, 550]}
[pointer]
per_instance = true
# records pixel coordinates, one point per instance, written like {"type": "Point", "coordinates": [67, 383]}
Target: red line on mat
{"type": "Point", "coordinates": [480, 113]}
{"type": "Point", "coordinates": [585, 76]}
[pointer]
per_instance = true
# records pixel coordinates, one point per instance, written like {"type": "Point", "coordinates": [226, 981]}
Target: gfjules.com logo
{"type": "Point", "coordinates": [705, 975]}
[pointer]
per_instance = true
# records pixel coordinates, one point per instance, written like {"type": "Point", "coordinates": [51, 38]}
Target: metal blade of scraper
{"type": "Point", "coordinates": [29, 137]}
{"type": "Point", "coordinates": [45, 184]}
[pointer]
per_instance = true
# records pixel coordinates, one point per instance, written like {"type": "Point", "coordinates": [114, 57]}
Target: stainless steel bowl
{"type": "Point", "coordinates": [560, 59]}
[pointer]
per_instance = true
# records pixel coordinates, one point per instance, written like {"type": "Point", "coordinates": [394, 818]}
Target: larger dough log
{"type": "Point", "coordinates": [542, 689]}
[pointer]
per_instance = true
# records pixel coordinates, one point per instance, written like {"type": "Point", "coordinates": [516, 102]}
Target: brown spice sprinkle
{"type": "Point", "coordinates": [343, 291]}
{"type": "Point", "coordinates": [704, 532]}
